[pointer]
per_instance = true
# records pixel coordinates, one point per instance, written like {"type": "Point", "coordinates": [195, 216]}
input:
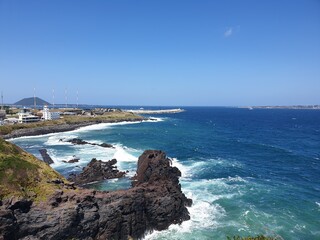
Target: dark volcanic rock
{"type": "Point", "coordinates": [106, 145]}
{"type": "Point", "coordinates": [45, 156]}
{"type": "Point", "coordinates": [155, 202]}
{"type": "Point", "coordinates": [78, 141]}
{"type": "Point", "coordinates": [45, 130]}
{"type": "Point", "coordinates": [97, 170]}
{"type": "Point", "coordinates": [73, 160]}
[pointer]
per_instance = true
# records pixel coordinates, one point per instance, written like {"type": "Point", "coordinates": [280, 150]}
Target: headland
{"type": "Point", "coordinates": [65, 123]}
{"type": "Point", "coordinates": [36, 202]}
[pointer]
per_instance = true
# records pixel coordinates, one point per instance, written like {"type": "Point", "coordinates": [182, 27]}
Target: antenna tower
{"type": "Point", "coordinates": [77, 98]}
{"type": "Point", "coordinates": [53, 97]}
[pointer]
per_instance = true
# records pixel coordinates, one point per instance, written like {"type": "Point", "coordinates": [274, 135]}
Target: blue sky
{"type": "Point", "coordinates": [212, 53]}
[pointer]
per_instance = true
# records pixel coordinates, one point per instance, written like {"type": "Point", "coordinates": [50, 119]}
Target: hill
{"type": "Point", "coordinates": [30, 102]}
{"type": "Point", "coordinates": [22, 175]}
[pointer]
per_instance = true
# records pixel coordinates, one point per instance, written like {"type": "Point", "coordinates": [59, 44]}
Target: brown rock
{"type": "Point", "coordinates": [97, 170]}
{"type": "Point", "coordinates": [155, 202]}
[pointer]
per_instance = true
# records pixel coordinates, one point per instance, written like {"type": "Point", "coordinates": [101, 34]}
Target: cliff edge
{"type": "Point", "coordinates": [46, 206]}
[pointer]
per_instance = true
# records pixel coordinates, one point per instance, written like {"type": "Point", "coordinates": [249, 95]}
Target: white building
{"type": "Point", "coordinates": [11, 121]}
{"type": "Point", "coordinates": [47, 115]}
{"type": "Point", "coordinates": [25, 117]}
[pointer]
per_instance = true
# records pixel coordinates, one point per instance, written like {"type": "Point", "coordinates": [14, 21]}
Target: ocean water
{"type": "Point", "coordinates": [248, 172]}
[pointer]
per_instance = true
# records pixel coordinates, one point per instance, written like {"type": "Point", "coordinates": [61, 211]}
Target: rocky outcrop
{"type": "Point", "coordinates": [73, 160]}
{"type": "Point", "coordinates": [78, 141]}
{"type": "Point", "coordinates": [155, 202]}
{"type": "Point", "coordinates": [97, 170]}
{"type": "Point", "coordinates": [45, 156]}
{"type": "Point", "coordinates": [47, 159]}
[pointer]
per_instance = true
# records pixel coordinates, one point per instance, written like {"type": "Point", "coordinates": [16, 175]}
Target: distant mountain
{"type": "Point", "coordinates": [30, 102]}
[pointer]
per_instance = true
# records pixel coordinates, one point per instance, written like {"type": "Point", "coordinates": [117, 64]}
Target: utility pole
{"type": "Point", "coordinates": [53, 97]}
{"type": "Point", "coordinates": [1, 100]}
{"type": "Point", "coordinates": [66, 97]}
{"type": "Point", "coordinates": [77, 98]}
{"type": "Point", "coordinates": [34, 98]}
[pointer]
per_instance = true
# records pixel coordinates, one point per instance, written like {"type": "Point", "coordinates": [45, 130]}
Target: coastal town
{"type": "Point", "coordinates": [34, 116]}
{"type": "Point", "coordinates": [15, 114]}
{"type": "Point", "coordinates": [25, 119]}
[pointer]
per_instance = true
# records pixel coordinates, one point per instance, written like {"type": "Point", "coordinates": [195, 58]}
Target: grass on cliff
{"type": "Point", "coordinates": [23, 175]}
{"type": "Point", "coordinates": [107, 117]}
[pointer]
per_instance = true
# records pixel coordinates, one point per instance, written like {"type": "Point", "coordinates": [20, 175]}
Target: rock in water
{"type": "Point", "coordinates": [155, 202]}
{"type": "Point", "coordinates": [97, 170]}
{"type": "Point", "coordinates": [78, 141]}
{"type": "Point", "coordinates": [73, 160]}
{"type": "Point", "coordinates": [106, 145]}
{"type": "Point", "coordinates": [45, 156]}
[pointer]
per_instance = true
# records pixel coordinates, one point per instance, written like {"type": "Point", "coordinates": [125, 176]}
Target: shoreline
{"type": "Point", "coordinates": [42, 130]}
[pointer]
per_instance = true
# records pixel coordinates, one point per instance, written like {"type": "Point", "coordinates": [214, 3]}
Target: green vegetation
{"type": "Point", "coordinates": [23, 175]}
{"type": "Point", "coordinates": [107, 117]}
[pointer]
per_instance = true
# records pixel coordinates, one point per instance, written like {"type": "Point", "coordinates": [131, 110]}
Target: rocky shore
{"type": "Point", "coordinates": [59, 128]}
{"type": "Point", "coordinates": [153, 203]}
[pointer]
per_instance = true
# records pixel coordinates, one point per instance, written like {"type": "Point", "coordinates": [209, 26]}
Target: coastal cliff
{"type": "Point", "coordinates": [46, 206]}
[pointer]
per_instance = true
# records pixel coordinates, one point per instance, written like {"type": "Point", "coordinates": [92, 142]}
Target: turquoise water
{"type": "Point", "coordinates": [248, 172]}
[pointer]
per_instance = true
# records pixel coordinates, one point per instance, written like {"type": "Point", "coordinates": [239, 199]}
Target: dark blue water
{"type": "Point", "coordinates": [248, 172]}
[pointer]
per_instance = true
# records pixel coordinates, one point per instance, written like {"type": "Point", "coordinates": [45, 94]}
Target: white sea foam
{"type": "Point", "coordinates": [154, 119]}
{"type": "Point", "coordinates": [236, 179]}
{"type": "Point", "coordinates": [318, 203]}
{"type": "Point", "coordinates": [204, 213]}
{"type": "Point", "coordinates": [113, 180]}
{"type": "Point", "coordinates": [33, 146]}
{"type": "Point", "coordinates": [94, 127]}
{"type": "Point", "coordinates": [100, 126]}
{"type": "Point", "coordinates": [91, 151]}
{"type": "Point", "coordinates": [223, 162]}
{"type": "Point", "coordinates": [58, 158]}
{"type": "Point", "coordinates": [186, 170]}
{"type": "Point", "coordinates": [122, 155]}
{"type": "Point", "coordinates": [36, 136]}
{"type": "Point", "coordinates": [59, 139]}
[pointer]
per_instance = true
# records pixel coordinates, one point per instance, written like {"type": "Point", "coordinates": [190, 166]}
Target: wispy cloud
{"type": "Point", "coordinates": [228, 32]}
